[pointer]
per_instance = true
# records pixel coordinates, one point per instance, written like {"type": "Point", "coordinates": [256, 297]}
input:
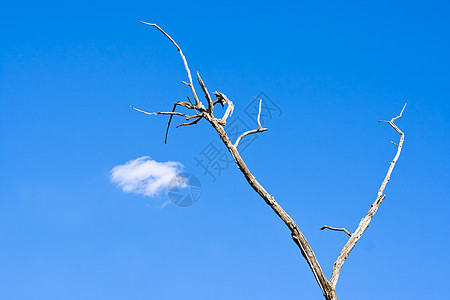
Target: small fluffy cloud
{"type": "Point", "coordinates": [144, 175]}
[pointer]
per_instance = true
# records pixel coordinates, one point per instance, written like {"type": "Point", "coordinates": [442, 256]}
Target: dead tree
{"type": "Point", "coordinates": [199, 111]}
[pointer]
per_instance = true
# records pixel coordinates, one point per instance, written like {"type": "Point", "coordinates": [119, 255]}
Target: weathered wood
{"type": "Point", "coordinates": [328, 287]}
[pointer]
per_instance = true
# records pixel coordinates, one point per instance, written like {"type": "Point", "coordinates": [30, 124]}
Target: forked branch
{"type": "Point", "coordinates": [328, 287]}
{"type": "Point", "coordinates": [218, 125]}
{"type": "Point", "coordinates": [259, 129]}
{"type": "Point", "coordinates": [373, 208]}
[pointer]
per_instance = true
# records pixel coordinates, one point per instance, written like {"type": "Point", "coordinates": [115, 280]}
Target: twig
{"type": "Point", "coordinates": [259, 112]}
{"type": "Point", "coordinates": [162, 113]}
{"type": "Point", "coordinates": [336, 229]}
{"type": "Point", "coordinates": [189, 99]}
{"type": "Point", "coordinates": [259, 129]}
{"type": "Point", "coordinates": [218, 124]}
{"type": "Point", "coordinates": [394, 143]}
{"type": "Point", "coordinates": [168, 123]}
{"type": "Point", "coordinates": [205, 91]}
{"type": "Point", "coordinates": [373, 208]}
{"type": "Point", "coordinates": [180, 103]}
{"type": "Point", "coordinates": [186, 104]}
{"type": "Point", "coordinates": [190, 123]}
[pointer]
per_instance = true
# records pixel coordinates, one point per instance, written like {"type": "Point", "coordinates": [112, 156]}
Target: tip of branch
{"type": "Point", "coordinates": [200, 79]}
{"type": "Point", "coordinates": [151, 24]}
{"type": "Point", "coordinates": [403, 109]}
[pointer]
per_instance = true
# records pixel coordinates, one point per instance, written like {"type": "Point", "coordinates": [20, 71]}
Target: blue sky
{"type": "Point", "coordinates": [69, 72]}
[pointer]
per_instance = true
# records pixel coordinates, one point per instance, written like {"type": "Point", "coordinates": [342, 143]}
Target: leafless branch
{"type": "Point", "coordinates": [168, 123]}
{"type": "Point", "coordinates": [328, 287]}
{"type": "Point", "coordinates": [162, 113]}
{"type": "Point", "coordinates": [193, 106]}
{"type": "Point", "coordinates": [230, 107]}
{"type": "Point", "coordinates": [190, 123]}
{"type": "Point", "coordinates": [188, 71]}
{"type": "Point", "coordinates": [187, 105]}
{"type": "Point", "coordinates": [336, 229]}
{"type": "Point", "coordinates": [373, 208]}
{"type": "Point", "coordinates": [394, 143]}
{"type": "Point", "coordinates": [259, 112]}
{"type": "Point", "coordinates": [259, 129]}
{"type": "Point", "coordinates": [207, 95]}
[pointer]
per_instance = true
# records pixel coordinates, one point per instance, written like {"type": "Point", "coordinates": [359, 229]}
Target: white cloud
{"type": "Point", "coordinates": [144, 175]}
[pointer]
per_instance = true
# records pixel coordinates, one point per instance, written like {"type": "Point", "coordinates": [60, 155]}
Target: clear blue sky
{"type": "Point", "coordinates": [70, 70]}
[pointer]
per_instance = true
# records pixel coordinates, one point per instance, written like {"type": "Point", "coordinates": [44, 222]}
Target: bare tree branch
{"type": "Point", "coordinates": [394, 143]}
{"type": "Point", "coordinates": [186, 104]}
{"type": "Point", "coordinates": [259, 129]}
{"type": "Point", "coordinates": [168, 123]}
{"type": "Point", "coordinates": [190, 123]}
{"type": "Point", "coordinates": [230, 107]}
{"type": "Point", "coordinates": [207, 95]}
{"type": "Point", "coordinates": [328, 287]}
{"type": "Point", "coordinates": [181, 103]}
{"type": "Point", "coordinates": [373, 208]}
{"type": "Point", "coordinates": [336, 229]}
{"type": "Point", "coordinates": [188, 71]}
{"type": "Point", "coordinates": [175, 113]}
{"type": "Point", "coordinates": [163, 113]}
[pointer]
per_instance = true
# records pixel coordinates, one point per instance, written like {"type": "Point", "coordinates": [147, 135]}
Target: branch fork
{"type": "Point", "coordinates": [328, 287]}
{"type": "Point", "coordinates": [259, 129]}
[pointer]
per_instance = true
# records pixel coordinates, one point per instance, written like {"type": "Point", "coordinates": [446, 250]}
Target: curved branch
{"type": "Point", "coordinates": [168, 123]}
{"type": "Point", "coordinates": [373, 208]}
{"type": "Point", "coordinates": [174, 113]}
{"type": "Point", "coordinates": [191, 84]}
{"type": "Point", "coordinates": [259, 129]}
